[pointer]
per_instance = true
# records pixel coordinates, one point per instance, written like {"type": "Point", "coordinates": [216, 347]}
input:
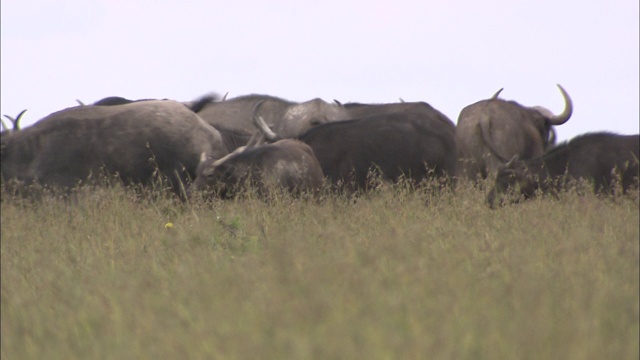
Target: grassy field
{"type": "Point", "coordinates": [395, 274]}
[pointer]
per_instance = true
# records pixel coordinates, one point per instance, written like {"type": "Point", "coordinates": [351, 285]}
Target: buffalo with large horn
{"type": "Point", "coordinates": [492, 131]}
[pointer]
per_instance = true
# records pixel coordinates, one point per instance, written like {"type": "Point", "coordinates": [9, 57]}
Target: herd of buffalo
{"type": "Point", "coordinates": [216, 145]}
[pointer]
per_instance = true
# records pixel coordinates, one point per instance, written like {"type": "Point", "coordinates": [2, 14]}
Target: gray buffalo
{"type": "Point", "coordinates": [136, 141]}
{"type": "Point", "coordinates": [288, 118]}
{"type": "Point", "coordinates": [286, 164]}
{"type": "Point", "coordinates": [601, 158]}
{"type": "Point", "coordinates": [232, 137]}
{"type": "Point", "coordinates": [416, 145]}
{"type": "Point", "coordinates": [490, 132]}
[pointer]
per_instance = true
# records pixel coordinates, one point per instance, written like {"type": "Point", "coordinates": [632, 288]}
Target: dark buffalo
{"type": "Point", "coordinates": [602, 158]}
{"type": "Point", "coordinates": [112, 100]}
{"type": "Point", "coordinates": [135, 141]}
{"type": "Point", "coordinates": [119, 100]}
{"type": "Point", "coordinates": [398, 144]}
{"type": "Point", "coordinates": [115, 100]}
{"type": "Point", "coordinates": [288, 118]}
{"type": "Point", "coordinates": [490, 132]}
{"type": "Point", "coordinates": [360, 111]}
{"type": "Point", "coordinates": [286, 164]}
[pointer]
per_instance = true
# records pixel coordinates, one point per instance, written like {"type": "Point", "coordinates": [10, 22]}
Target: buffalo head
{"type": "Point", "coordinates": [513, 181]}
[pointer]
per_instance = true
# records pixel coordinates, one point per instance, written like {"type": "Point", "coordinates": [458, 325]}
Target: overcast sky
{"type": "Point", "coordinates": [447, 53]}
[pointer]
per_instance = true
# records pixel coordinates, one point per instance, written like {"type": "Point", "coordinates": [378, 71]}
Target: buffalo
{"type": "Point", "coordinates": [492, 131]}
{"type": "Point", "coordinates": [135, 141]}
{"type": "Point", "coordinates": [605, 159]}
{"type": "Point", "coordinates": [415, 145]}
{"type": "Point", "coordinates": [286, 164]}
{"type": "Point", "coordinates": [288, 118]}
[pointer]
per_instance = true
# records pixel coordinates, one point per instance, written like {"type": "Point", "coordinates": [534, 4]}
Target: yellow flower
{"type": "Point", "coordinates": [168, 225]}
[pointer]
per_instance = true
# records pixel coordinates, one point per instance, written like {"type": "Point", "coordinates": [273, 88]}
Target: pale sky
{"type": "Point", "coordinates": [448, 53]}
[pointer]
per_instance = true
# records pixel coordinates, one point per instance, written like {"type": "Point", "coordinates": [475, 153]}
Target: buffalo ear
{"type": "Point", "coordinates": [510, 162]}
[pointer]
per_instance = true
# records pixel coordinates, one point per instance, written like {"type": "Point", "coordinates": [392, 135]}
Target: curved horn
{"type": "Point", "coordinates": [495, 96]}
{"type": "Point", "coordinates": [552, 138]}
{"type": "Point", "coordinates": [259, 122]}
{"type": "Point", "coordinates": [486, 136]}
{"type": "Point", "coordinates": [225, 96]}
{"type": "Point", "coordinates": [226, 157]}
{"type": "Point", "coordinates": [80, 102]}
{"type": "Point", "coordinates": [566, 113]}
{"type": "Point", "coordinates": [16, 122]}
{"type": "Point", "coordinates": [510, 162]}
{"type": "Point", "coordinates": [256, 139]}
{"type": "Point", "coordinates": [337, 102]}
{"type": "Point", "coordinates": [4, 124]}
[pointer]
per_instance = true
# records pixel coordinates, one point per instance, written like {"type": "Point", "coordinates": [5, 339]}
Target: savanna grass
{"type": "Point", "coordinates": [397, 273]}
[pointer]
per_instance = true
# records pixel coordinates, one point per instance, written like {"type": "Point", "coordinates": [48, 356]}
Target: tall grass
{"type": "Point", "coordinates": [395, 274]}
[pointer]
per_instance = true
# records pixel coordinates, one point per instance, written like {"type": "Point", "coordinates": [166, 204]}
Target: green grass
{"type": "Point", "coordinates": [394, 274]}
